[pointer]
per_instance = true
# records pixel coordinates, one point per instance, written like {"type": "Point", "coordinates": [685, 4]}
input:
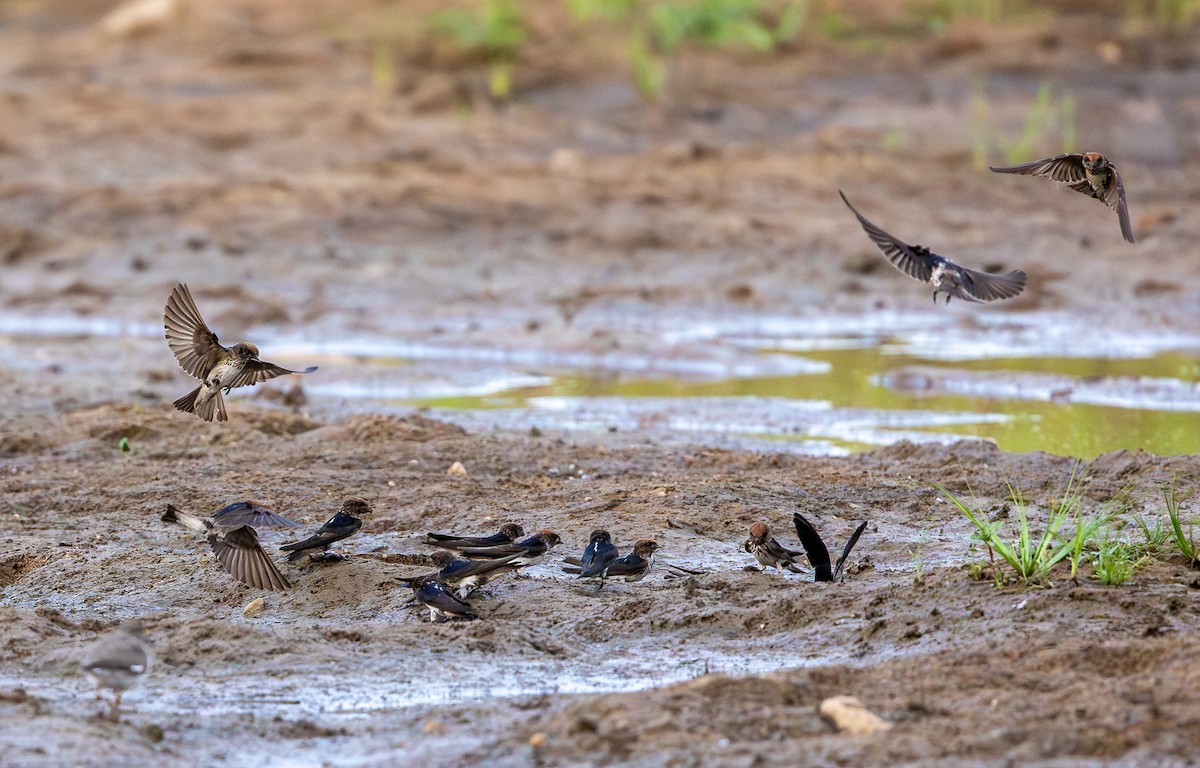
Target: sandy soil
{"type": "Point", "coordinates": [246, 148]}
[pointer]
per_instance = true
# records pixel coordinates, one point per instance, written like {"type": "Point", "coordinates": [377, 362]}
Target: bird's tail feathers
{"type": "Point", "coordinates": [173, 515]}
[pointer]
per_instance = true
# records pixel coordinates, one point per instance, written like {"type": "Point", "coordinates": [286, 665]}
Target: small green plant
{"type": "Point", "coordinates": [123, 444]}
{"type": "Point", "coordinates": [495, 31]}
{"type": "Point", "coordinates": [1114, 562]}
{"type": "Point", "coordinates": [977, 569]}
{"type": "Point", "coordinates": [1169, 12]}
{"type": "Point", "coordinates": [916, 556]}
{"type": "Point", "coordinates": [1030, 555]}
{"type": "Point", "coordinates": [658, 29]}
{"type": "Point", "coordinates": [1185, 541]}
{"type": "Point", "coordinates": [1158, 538]}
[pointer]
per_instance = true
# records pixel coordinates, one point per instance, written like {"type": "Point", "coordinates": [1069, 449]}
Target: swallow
{"type": "Point", "coordinates": [200, 354]}
{"type": "Point", "coordinates": [599, 553]}
{"type": "Point", "coordinates": [465, 576]}
{"type": "Point", "coordinates": [509, 532]}
{"type": "Point", "coordinates": [769, 552]}
{"type": "Point", "coordinates": [117, 660]}
{"type": "Point", "coordinates": [342, 525]}
{"type": "Point", "coordinates": [440, 601]}
{"type": "Point", "coordinates": [631, 567]}
{"type": "Point", "coordinates": [818, 555]}
{"type": "Point", "coordinates": [531, 550]}
{"type": "Point", "coordinates": [1088, 172]}
{"type": "Point", "coordinates": [944, 275]}
{"type": "Point", "coordinates": [236, 545]}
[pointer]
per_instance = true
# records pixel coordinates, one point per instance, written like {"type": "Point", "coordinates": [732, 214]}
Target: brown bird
{"type": "Point", "coordinates": [201, 356]}
{"type": "Point", "coordinates": [1088, 172]}
{"type": "Point", "coordinates": [769, 552]}
{"type": "Point", "coordinates": [117, 660]}
{"type": "Point", "coordinates": [945, 276]}
{"type": "Point", "coordinates": [237, 547]}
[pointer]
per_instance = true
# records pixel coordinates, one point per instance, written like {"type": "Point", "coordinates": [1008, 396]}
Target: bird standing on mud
{"type": "Point", "coordinates": [631, 567]}
{"type": "Point", "coordinates": [465, 576]}
{"type": "Point", "coordinates": [342, 525]}
{"type": "Point", "coordinates": [231, 536]}
{"type": "Point", "coordinates": [440, 601]}
{"type": "Point", "coordinates": [599, 553]}
{"type": "Point", "coordinates": [1088, 172]}
{"type": "Point", "coordinates": [944, 275]}
{"type": "Point", "coordinates": [117, 660]}
{"type": "Point", "coordinates": [531, 550]}
{"type": "Point", "coordinates": [201, 356]}
{"type": "Point", "coordinates": [769, 552]}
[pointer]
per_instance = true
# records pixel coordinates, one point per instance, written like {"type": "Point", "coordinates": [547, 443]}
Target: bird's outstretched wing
{"type": "Point", "coordinates": [243, 558]}
{"type": "Point", "coordinates": [1066, 168]}
{"type": "Point", "coordinates": [241, 513]}
{"type": "Point", "coordinates": [912, 260]}
{"type": "Point", "coordinates": [255, 372]}
{"type": "Point", "coordinates": [983, 286]}
{"type": "Point", "coordinates": [837, 571]}
{"type": "Point", "coordinates": [193, 344]}
{"type": "Point", "coordinates": [818, 555]}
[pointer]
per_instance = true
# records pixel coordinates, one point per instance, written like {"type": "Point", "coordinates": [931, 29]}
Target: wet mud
{"type": "Point", "coordinates": [423, 243]}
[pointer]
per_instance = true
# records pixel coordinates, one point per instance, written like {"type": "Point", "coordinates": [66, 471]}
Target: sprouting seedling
{"type": "Point", "coordinates": [123, 444]}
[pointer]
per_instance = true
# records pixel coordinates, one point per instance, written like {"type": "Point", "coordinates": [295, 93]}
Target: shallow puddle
{"type": "Point", "coordinates": [1055, 382]}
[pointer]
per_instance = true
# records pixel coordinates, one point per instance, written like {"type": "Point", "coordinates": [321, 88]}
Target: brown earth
{"type": "Point", "coordinates": [250, 149]}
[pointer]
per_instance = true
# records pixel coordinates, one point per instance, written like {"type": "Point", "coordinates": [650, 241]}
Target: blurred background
{"type": "Point", "coordinates": [610, 217]}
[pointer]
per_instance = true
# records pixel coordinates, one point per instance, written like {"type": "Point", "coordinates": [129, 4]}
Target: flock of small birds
{"type": "Point", "coordinates": [466, 563]}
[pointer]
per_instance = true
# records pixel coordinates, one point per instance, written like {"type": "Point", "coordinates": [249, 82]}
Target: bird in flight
{"type": "Point", "coordinates": [1088, 172]}
{"type": "Point", "coordinates": [202, 356]}
{"type": "Point", "coordinates": [945, 276]}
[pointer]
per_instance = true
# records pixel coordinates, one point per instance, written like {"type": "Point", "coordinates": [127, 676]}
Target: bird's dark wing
{"type": "Point", "coordinates": [193, 344]}
{"type": "Point", "coordinates": [243, 558]}
{"type": "Point", "coordinates": [837, 571]}
{"type": "Point", "coordinates": [493, 552]}
{"type": "Point", "coordinates": [818, 555]}
{"type": "Point", "coordinates": [913, 261]}
{"type": "Point", "coordinates": [628, 565]}
{"type": "Point", "coordinates": [242, 513]}
{"type": "Point", "coordinates": [596, 559]}
{"type": "Point", "coordinates": [479, 567]}
{"type": "Point", "coordinates": [983, 286]}
{"type": "Point", "coordinates": [336, 528]}
{"type": "Point", "coordinates": [435, 595]}
{"type": "Point", "coordinates": [1066, 168]}
{"type": "Point", "coordinates": [255, 372]}
{"type": "Point", "coordinates": [1114, 196]}
{"type": "Point", "coordinates": [452, 541]}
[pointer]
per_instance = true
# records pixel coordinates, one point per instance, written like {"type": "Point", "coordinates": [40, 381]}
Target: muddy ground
{"type": "Point", "coordinates": [252, 150]}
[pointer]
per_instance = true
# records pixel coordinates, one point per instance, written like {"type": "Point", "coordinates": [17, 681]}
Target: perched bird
{"type": "Point", "coordinates": [509, 532]}
{"type": "Point", "coordinates": [944, 275]}
{"type": "Point", "coordinates": [632, 567]}
{"type": "Point", "coordinates": [117, 660]}
{"type": "Point", "coordinates": [818, 555]}
{"type": "Point", "coordinates": [1088, 172]}
{"type": "Point", "coordinates": [440, 601]}
{"type": "Point", "coordinates": [465, 576]}
{"type": "Point", "coordinates": [342, 525]}
{"type": "Point", "coordinates": [769, 552]}
{"type": "Point", "coordinates": [531, 550]}
{"type": "Point", "coordinates": [202, 357]}
{"type": "Point", "coordinates": [597, 556]}
{"type": "Point", "coordinates": [231, 536]}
